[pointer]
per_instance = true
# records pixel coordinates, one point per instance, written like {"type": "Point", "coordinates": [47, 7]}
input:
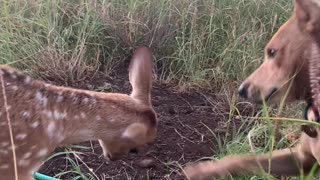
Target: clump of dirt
{"type": "Point", "coordinates": [188, 122]}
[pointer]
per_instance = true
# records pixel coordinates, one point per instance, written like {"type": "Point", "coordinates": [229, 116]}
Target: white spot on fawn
{"type": "Point", "coordinates": [26, 155]}
{"type": "Point", "coordinates": [83, 115]}
{"type": "Point", "coordinates": [27, 80]}
{"type": "Point", "coordinates": [98, 118]}
{"type": "Point", "coordinates": [58, 115]}
{"type": "Point", "coordinates": [59, 99]}
{"type": "Point", "coordinates": [85, 100]}
{"type": "Point", "coordinates": [35, 124]}
{"type": "Point", "coordinates": [4, 144]}
{"type": "Point", "coordinates": [3, 152]}
{"type": "Point", "coordinates": [25, 114]}
{"type": "Point", "coordinates": [85, 132]}
{"type": "Point", "coordinates": [23, 162]}
{"type": "Point", "coordinates": [41, 99]}
{"type": "Point", "coordinates": [50, 129]}
{"type": "Point", "coordinates": [21, 136]}
{"type": "Point", "coordinates": [49, 114]}
{"type": "Point", "coordinates": [126, 133]}
{"type": "Point", "coordinates": [13, 76]}
{"type": "Point", "coordinates": [10, 147]}
{"type": "Point", "coordinates": [14, 88]}
{"type": "Point", "coordinates": [42, 152]}
{"type": "Point", "coordinates": [4, 166]}
{"type": "Point", "coordinates": [1, 72]}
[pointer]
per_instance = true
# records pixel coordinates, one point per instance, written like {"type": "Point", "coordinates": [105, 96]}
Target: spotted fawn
{"type": "Point", "coordinates": [36, 117]}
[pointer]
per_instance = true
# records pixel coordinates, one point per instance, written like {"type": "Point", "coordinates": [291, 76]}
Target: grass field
{"type": "Point", "coordinates": [202, 44]}
{"type": "Point", "coordinates": [194, 42]}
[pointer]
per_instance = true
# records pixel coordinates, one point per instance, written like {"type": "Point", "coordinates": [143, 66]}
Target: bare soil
{"type": "Point", "coordinates": [187, 124]}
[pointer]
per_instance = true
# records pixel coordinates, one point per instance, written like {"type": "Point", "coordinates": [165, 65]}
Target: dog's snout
{"type": "Point", "coordinates": [243, 90]}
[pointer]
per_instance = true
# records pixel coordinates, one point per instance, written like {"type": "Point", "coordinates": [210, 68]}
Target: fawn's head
{"type": "Point", "coordinates": [284, 72]}
{"type": "Point", "coordinates": [140, 126]}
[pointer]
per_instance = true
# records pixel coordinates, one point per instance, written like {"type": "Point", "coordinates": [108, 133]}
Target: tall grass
{"type": "Point", "coordinates": [194, 41]}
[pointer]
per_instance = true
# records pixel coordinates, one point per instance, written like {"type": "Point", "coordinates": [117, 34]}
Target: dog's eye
{"type": "Point", "coordinates": [271, 52]}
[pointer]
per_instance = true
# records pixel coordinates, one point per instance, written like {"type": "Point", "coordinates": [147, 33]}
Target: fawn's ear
{"type": "Point", "coordinates": [308, 15]}
{"type": "Point", "coordinates": [140, 75]}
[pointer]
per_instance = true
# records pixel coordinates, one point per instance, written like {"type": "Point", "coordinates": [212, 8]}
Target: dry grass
{"type": "Point", "coordinates": [196, 42]}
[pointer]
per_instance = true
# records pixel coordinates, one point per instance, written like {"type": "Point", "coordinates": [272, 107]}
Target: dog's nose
{"type": "Point", "coordinates": [243, 90]}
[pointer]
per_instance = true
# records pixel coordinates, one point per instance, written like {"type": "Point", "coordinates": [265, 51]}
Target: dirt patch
{"type": "Point", "coordinates": [185, 134]}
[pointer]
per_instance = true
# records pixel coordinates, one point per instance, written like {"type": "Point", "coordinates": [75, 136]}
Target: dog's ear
{"type": "Point", "coordinates": [300, 11]}
{"type": "Point", "coordinates": [308, 15]}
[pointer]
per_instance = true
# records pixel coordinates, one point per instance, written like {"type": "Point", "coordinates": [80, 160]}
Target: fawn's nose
{"type": "Point", "coordinates": [110, 158]}
{"type": "Point", "coordinates": [243, 90]}
{"type": "Point", "coordinates": [134, 151]}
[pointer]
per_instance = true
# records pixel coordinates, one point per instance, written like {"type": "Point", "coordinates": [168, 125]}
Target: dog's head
{"type": "Point", "coordinates": [284, 71]}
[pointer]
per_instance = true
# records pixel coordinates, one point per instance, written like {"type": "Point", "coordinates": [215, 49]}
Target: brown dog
{"type": "Point", "coordinates": [36, 117]}
{"type": "Point", "coordinates": [285, 69]}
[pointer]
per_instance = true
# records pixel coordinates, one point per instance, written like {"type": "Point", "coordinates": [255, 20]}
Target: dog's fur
{"type": "Point", "coordinates": [285, 68]}
{"type": "Point", "coordinates": [43, 116]}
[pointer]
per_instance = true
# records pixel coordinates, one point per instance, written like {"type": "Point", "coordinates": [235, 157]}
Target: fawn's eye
{"type": "Point", "coordinates": [271, 52]}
